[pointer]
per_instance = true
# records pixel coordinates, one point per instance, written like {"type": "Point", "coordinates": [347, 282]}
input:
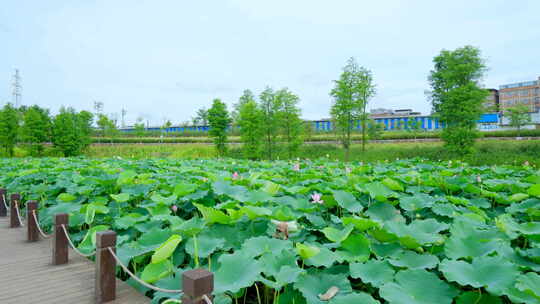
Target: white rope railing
{"type": "Point", "coordinates": [207, 299]}
{"type": "Point", "coordinates": [141, 281]}
{"type": "Point", "coordinates": [43, 234]}
{"type": "Point", "coordinates": [18, 214]}
{"type": "Point", "coordinates": [73, 246]}
{"type": "Point", "coordinates": [5, 204]}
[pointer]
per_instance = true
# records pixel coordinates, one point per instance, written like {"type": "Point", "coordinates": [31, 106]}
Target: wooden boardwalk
{"type": "Point", "coordinates": [28, 276]}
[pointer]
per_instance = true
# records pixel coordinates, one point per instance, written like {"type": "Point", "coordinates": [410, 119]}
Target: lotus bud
{"type": "Point", "coordinates": [174, 208]}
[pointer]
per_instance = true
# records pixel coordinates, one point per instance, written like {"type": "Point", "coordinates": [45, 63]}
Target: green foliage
{"type": "Point", "coordinates": [351, 94]}
{"type": "Point", "coordinates": [407, 231]}
{"type": "Point", "coordinates": [107, 125]}
{"type": "Point", "coordinates": [201, 117]}
{"type": "Point", "coordinates": [9, 128]}
{"type": "Point", "coordinates": [219, 120]}
{"type": "Point", "coordinates": [291, 124]}
{"type": "Point", "coordinates": [139, 127]}
{"type": "Point", "coordinates": [36, 129]}
{"type": "Point", "coordinates": [270, 108]}
{"type": "Point", "coordinates": [518, 116]}
{"type": "Point", "coordinates": [71, 131]}
{"type": "Point", "coordinates": [456, 95]}
{"type": "Point", "coordinates": [375, 130]}
{"type": "Point", "coordinates": [251, 129]}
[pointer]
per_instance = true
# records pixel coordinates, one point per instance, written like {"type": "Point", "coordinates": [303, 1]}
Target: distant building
{"type": "Point", "coordinates": [524, 93]}
{"type": "Point", "coordinates": [492, 101]}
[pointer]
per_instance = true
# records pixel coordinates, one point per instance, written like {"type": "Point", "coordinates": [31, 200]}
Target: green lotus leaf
{"type": "Point", "coordinates": [237, 271]}
{"type": "Point", "coordinates": [183, 189]}
{"type": "Point", "coordinates": [356, 248]}
{"type": "Point", "coordinates": [156, 271]}
{"type": "Point", "coordinates": [129, 220]}
{"type": "Point", "coordinates": [312, 284]}
{"type": "Point", "coordinates": [257, 246]}
{"type": "Point", "coordinates": [66, 197]}
{"type": "Point", "coordinates": [413, 260]}
{"type": "Point", "coordinates": [529, 283]}
{"type": "Point", "coordinates": [534, 190]}
{"type": "Point", "coordinates": [324, 258]}
{"type": "Point", "coordinates": [212, 215]}
{"type": "Point", "coordinates": [347, 201]}
{"type": "Point", "coordinates": [120, 198]}
{"type": "Point", "coordinates": [306, 251]}
{"type": "Point", "coordinates": [416, 202]}
{"type": "Point", "coordinates": [361, 224]}
{"type": "Point", "coordinates": [166, 249]}
{"type": "Point", "coordinates": [417, 286]}
{"type": "Point", "coordinates": [495, 274]}
{"type": "Point", "coordinates": [471, 297]}
{"type": "Point", "coordinates": [337, 235]}
{"type": "Point", "coordinates": [374, 272]}
{"type": "Point", "coordinates": [206, 245]}
{"type": "Point", "coordinates": [393, 184]}
{"type": "Point", "coordinates": [379, 191]}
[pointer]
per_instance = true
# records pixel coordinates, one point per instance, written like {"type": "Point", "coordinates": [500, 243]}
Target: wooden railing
{"type": "Point", "coordinates": [197, 285]}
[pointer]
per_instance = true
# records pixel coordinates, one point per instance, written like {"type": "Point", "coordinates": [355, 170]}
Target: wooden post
{"type": "Point", "coordinates": [3, 210]}
{"type": "Point", "coordinates": [13, 204]}
{"type": "Point", "coordinates": [195, 284]}
{"type": "Point", "coordinates": [60, 252]}
{"type": "Point", "coordinates": [31, 221]}
{"type": "Point", "coordinates": [105, 289]}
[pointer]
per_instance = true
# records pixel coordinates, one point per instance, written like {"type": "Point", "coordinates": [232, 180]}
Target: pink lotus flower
{"type": "Point", "coordinates": [478, 179]}
{"type": "Point", "coordinates": [526, 163]}
{"type": "Point", "coordinates": [174, 208]}
{"type": "Point", "coordinates": [316, 198]}
{"type": "Point", "coordinates": [235, 176]}
{"type": "Point", "coordinates": [296, 167]}
{"type": "Point", "coordinates": [348, 170]}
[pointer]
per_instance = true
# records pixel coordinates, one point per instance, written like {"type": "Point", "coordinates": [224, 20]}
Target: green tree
{"type": "Point", "coordinates": [219, 120]}
{"type": "Point", "coordinates": [36, 129]}
{"type": "Point", "coordinates": [351, 94]}
{"type": "Point", "coordinates": [270, 107]}
{"type": "Point", "coordinates": [414, 126]}
{"type": "Point", "coordinates": [518, 116]}
{"type": "Point", "coordinates": [9, 128]}
{"type": "Point", "coordinates": [139, 127]}
{"type": "Point", "coordinates": [456, 95]}
{"type": "Point", "coordinates": [108, 126]}
{"type": "Point", "coordinates": [289, 120]}
{"type": "Point", "coordinates": [84, 124]}
{"type": "Point", "coordinates": [246, 97]}
{"type": "Point", "coordinates": [375, 129]}
{"type": "Point", "coordinates": [251, 129]}
{"type": "Point", "coordinates": [201, 117]}
{"type": "Point", "coordinates": [71, 131]}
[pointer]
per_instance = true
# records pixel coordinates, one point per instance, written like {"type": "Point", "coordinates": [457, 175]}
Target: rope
{"type": "Point", "coordinates": [4, 201]}
{"type": "Point", "coordinates": [206, 299]}
{"type": "Point", "coordinates": [141, 281]}
{"type": "Point", "coordinates": [73, 246]}
{"type": "Point", "coordinates": [18, 214]}
{"type": "Point", "coordinates": [43, 234]}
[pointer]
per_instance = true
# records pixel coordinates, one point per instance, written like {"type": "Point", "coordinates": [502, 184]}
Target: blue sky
{"type": "Point", "coordinates": [164, 59]}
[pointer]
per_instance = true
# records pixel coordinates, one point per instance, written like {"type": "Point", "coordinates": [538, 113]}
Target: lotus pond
{"type": "Point", "coordinates": [404, 232]}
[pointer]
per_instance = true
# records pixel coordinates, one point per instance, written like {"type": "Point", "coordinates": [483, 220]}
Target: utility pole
{"type": "Point", "coordinates": [124, 112]}
{"type": "Point", "coordinates": [17, 89]}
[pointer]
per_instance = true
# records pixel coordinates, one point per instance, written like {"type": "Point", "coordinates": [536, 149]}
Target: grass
{"type": "Point", "coordinates": [487, 152]}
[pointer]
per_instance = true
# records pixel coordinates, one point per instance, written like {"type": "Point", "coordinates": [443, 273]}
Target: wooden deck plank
{"type": "Point", "coordinates": [28, 276]}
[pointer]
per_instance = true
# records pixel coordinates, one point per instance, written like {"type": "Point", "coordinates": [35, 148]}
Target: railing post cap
{"type": "Point", "coordinates": [197, 282]}
{"type": "Point", "coordinates": [61, 219]}
{"type": "Point", "coordinates": [3, 191]}
{"type": "Point", "coordinates": [15, 196]}
{"type": "Point", "coordinates": [105, 239]}
{"type": "Point", "coordinates": [31, 205]}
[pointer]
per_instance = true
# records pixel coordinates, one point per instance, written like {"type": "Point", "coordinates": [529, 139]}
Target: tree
{"type": "Point", "coordinates": [374, 129]}
{"type": "Point", "coordinates": [71, 131]}
{"type": "Point", "coordinates": [270, 107]}
{"type": "Point", "coordinates": [414, 126]}
{"type": "Point", "coordinates": [139, 127]}
{"type": "Point", "coordinates": [351, 94]}
{"type": "Point", "coordinates": [289, 120]}
{"type": "Point", "coordinates": [201, 117]}
{"type": "Point", "coordinates": [456, 95]}
{"type": "Point", "coordinates": [519, 116]}
{"type": "Point", "coordinates": [108, 126]}
{"type": "Point", "coordinates": [251, 129]}
{"type": "Point", "coordinates": [9, 128]}
{"type": "Point", "coordinates": [166, 125]}
{"type": "Point", "coordinates": [36, 129]}
{"type": "Point", "coordinates": [246, 97]}
{"type": "Point", "coordinates": [219, 120]}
